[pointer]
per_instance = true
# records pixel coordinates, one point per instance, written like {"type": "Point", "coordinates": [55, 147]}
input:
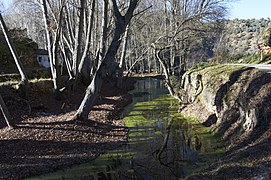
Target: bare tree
{"type": "Point", "coordinates": [78, 37]}
{"type": "Point", "coordinates": [190, 21]}
{"type": "Point", "coordinates": [107, 66]}
{"type": "Point", "coordinates": [89, 28]}
{"type": "Point", "coordinates": [104, 31]}
{"type": "Point", "coordinates": [53, 30]}
{"type": "Point", "coordinates": [122, 57]}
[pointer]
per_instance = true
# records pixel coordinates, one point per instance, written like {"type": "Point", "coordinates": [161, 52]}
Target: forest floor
{"type": "Point", "coordinates": [44, 138]}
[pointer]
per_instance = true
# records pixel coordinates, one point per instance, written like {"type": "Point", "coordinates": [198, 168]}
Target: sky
{"type": "Point", "coordinates": [242, 9]}
{"type": "Point", "coordinates": [248, 9]}
{"type": "Point", "coordinates": [6, 4]}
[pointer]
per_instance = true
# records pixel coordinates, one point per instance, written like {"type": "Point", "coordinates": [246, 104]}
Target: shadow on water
{"type": "Point", "coordinates": [162, 144]}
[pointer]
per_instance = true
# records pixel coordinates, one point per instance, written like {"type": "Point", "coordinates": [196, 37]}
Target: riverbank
{"type": "Point", "coordinates": [235, 103]}
{"type": "Point", "coordinates": [44, 140]}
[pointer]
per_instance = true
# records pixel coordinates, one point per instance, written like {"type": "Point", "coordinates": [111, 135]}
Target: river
{"type": "Point", "coordinates": [162, 143]}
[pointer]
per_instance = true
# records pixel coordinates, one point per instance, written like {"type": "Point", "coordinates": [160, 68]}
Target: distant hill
{"type": "Point", "coordinates": [241, 36]}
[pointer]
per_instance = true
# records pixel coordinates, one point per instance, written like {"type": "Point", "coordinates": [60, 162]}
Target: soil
{"type": "Point", "coordinates": [45, 139]}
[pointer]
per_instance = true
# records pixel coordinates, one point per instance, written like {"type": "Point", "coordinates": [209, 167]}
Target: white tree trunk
{"type": "Point", "coordinates": [78, 39]}
{"type": "Point", "coordinates": [122, 57]}
{"type": "Point", "coordinates": [52, 44]}
{"type": "Point", "coordinates": [167, 75]}
{"type": "Point", "coordinates": [104, 30]}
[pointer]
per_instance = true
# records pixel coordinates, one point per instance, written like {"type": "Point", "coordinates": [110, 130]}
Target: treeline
{"type": "Point", "coordinates": [97, 40]}
{"type": "Point", "coordinates": [195, 42]}
{"type": "Point", "coordinates": [190, 27]}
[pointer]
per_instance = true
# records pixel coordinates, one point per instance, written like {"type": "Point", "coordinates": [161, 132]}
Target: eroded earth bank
{"type": "Point", "coordinates": [236, 103]}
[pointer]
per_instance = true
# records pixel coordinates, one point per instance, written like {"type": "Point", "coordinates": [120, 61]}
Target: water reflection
{"type": "Point", "coordinates": [161, 145]}
{"type": "Point", "coordinates": [154, 88]}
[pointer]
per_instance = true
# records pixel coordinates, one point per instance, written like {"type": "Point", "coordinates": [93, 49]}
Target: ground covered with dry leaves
{"type": "Point", "coordinates": [44, 138]}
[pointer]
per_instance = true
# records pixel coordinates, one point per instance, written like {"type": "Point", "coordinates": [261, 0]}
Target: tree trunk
{"type": "Point", "coordinates": [88, 40]}
{"type": "Point", "coordinates": [124, 47]}
{"type": "Point", "coordinates": [107, 66]}
{"type": "Point", "coordinates": [122, 57]}
{"type": "Point", "coordinates": [78, 39]}
{"type": "Point", "coordinates": [5, 112]}
{"type": "Point", "coordinates": [104, 30]}
{"type": "Point", "coordinates": [167, 75]}
{"type": "Point", "coordinates": [23, 85]}
{"type": "Point", "coordinates": [52, 45]}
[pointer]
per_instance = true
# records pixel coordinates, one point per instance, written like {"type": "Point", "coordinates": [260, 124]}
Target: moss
{"type": "Point", "coordinates": [251, 59]}
{"type": "Point", "coordinates": [201, 65]}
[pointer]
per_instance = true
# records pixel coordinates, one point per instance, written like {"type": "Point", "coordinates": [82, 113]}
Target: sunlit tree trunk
{"type": "Point", "coordinates": [104, 30]}
{"type": "Point", "coordinates": [53, 43]}
{"type": "Point", "coordinates": [166, 72]}
{"type": "Point", "coordinates": [77, 54]}
{"type": "Point", "coordinates": [122, 57]}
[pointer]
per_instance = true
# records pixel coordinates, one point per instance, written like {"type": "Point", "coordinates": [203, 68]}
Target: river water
{"type": "Point", "coordinates": [162, 143]}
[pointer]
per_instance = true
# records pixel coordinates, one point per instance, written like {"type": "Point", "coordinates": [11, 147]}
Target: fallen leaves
{"type": "Point", "coordinates": [46, 141]}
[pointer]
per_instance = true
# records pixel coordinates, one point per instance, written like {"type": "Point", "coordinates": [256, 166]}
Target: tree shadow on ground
{"type": "Point", "coordinates": [23, 158]}
{"type": "Point", "coordinates": [256, 96]}
{"type": "Point", "coordinates": [45, 140]}
{"type": "Point", "coordinates": [223, 90]}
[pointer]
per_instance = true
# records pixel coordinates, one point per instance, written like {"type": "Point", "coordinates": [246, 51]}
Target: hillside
{"type": "Point", "coordinates": [241, 37]}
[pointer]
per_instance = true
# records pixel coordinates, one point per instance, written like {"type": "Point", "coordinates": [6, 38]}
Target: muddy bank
{"type": "Point", "coordinates": [236, 103]}
{"type": "Point", "coordinates": [44, 140]}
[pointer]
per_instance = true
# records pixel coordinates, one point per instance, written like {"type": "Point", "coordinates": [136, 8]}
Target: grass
{"type": "Point", "coordinates": [31, 81]}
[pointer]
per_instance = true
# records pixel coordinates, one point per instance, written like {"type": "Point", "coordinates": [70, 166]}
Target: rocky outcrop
{"type": "Point", "coordinates": [236, 103]}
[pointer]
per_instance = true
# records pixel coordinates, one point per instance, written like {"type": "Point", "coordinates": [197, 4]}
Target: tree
{"type": "Point", "coordinates": [26, 14]}
{"type": "Point", "coordinates": [53, 31]}
{"type": "Point", "coordinates": [187, 24]}
{"type": "Point", "coordinates": [82, 64]}
{"type": "Point", "coordinates": [107, 66]}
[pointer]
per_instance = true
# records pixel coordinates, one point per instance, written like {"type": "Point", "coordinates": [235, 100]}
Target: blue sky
{"type": "Point", "coordinates": [6, 3]}
{"type": "Point", "coordinates": [247, 9]}
{"type": "Point", "coordinates": [242, 9]}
